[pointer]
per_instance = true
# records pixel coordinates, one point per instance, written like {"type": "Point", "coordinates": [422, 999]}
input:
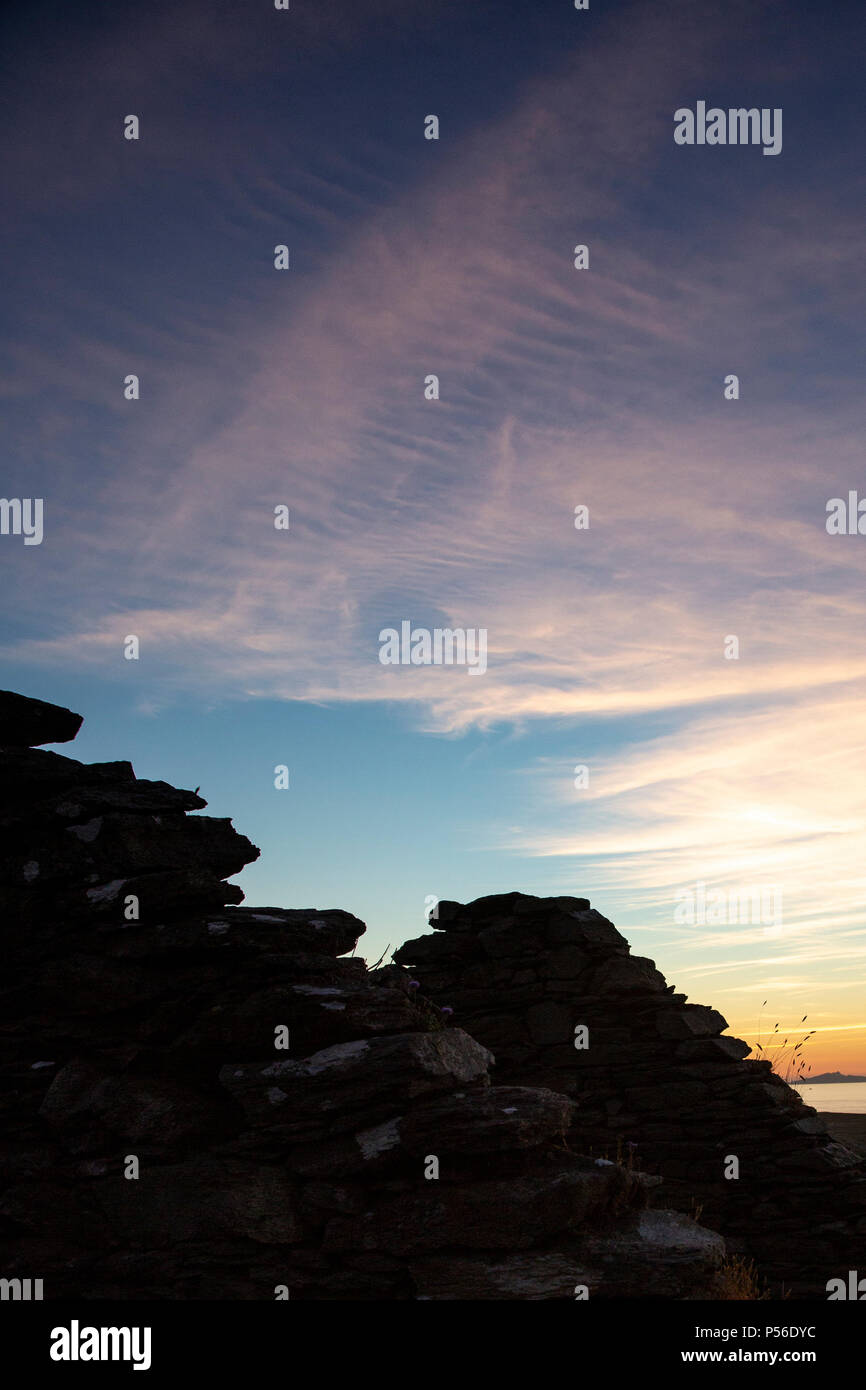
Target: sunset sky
{"type": "Point", "coordinates": [559, 388]}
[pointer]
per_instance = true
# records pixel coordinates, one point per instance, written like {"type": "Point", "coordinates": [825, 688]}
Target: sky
{"type": "Point", "coordinates": [720, 818]}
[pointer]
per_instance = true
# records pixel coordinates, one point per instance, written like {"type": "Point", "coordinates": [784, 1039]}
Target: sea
{"type": "Point", "coordinates": [842, 1097]}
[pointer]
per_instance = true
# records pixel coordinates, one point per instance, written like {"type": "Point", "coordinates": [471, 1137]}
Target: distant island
{"type": "Point", "coordinates": [825, 1077]}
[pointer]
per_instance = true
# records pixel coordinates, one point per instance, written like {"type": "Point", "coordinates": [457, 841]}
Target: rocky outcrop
{"type": "Point", "coordinates": [25, 723]}
{"type": "Point", "coordinates": [551, 987]}
{"type": "Point", "coordinates": [203, 1100]}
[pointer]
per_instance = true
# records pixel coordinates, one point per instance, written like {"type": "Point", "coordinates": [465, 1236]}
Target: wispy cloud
{"type": "Point", "coordinates": [558, 388]}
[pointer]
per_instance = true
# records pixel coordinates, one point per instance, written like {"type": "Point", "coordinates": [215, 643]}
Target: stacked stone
{"type": "Point", "coordinates": [201, 1100]}
{"type": "Point", "coordinates": [652, 1075]}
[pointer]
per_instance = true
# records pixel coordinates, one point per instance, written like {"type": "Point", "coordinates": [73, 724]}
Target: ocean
{"type": "Point", "coordinates": [844, 1097]}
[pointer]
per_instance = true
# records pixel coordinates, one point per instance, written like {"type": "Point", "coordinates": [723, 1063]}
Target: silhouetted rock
{"type": "Point", "coordinates": [211, 1101]}
{"type": "Point", "coordinates": [523, 974]}
{"type": "Point", "coordinates": [25, 722]}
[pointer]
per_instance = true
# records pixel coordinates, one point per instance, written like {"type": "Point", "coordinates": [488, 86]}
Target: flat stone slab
{"type": "Point", "coordinates": [25, 722]}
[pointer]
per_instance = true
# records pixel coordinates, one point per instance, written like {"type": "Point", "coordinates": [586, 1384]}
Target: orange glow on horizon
{"type": "Point", "coordinates": [839, 1048]}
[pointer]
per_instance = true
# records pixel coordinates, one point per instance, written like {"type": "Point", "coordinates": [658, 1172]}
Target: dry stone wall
{"type": "Point", "coordinates": [652, 1076]}
{"type": "Point", "coordinates": [203, 1100]}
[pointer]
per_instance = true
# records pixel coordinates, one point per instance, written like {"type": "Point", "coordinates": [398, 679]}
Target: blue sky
{"type": "Point", "coordinates": [558, 387]}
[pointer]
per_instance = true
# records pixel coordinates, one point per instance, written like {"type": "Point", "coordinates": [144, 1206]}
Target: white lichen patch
{"type": "Point", "coordinates": [337, 1056]}
{"type": "Point", "coordinates": [30, 871]}
{"type": "Point", "coordinates": [107, 892]}
{"type": "Point", "coordinates": [88, 831]}
{"type": "Point", "coordinates": [276, 1069]}
{"type": "Point", "coordinates": [329, 1058]}
{"type": "Point", "coordinates": [333, 1006]}
{"type": "Point", "coordinates": [378, 1140]}
{"type": "Point", "coordinates": [276, 1096]}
